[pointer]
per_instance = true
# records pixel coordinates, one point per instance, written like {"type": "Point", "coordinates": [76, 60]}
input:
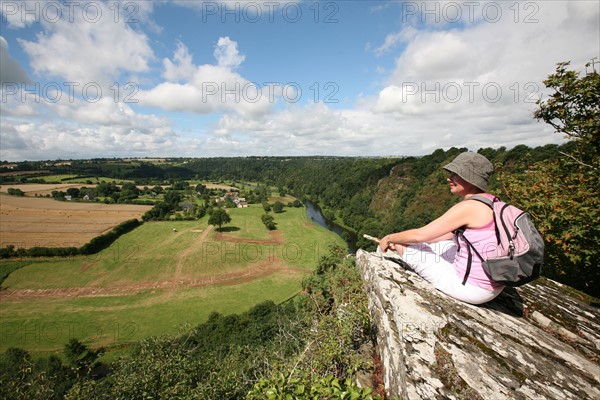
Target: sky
{"type": "Point", "coordinates": [102, 79]}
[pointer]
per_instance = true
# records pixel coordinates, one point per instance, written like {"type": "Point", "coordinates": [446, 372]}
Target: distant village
{"type": "Point", "coordinates": [240, 202]}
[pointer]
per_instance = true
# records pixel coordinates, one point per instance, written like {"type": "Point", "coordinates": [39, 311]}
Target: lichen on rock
{"type": "Point", "coordinates": [537, 341]}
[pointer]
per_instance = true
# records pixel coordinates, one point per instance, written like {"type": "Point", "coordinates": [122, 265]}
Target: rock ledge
{"type": "Point", "coordinates": [539, 341]}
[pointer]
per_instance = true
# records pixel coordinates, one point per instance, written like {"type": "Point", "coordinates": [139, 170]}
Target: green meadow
{"type": "Point", "coordinates": [158, 278]}
{"type": "Point", "coordinates": [73, 178]}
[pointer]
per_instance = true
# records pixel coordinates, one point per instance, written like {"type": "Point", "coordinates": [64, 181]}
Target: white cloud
{"type": "Point", "coordinates": [208, 88]}
{"type": "Point", "coordinates": [317, 129]}
{"type": "Point", "coordinates": [478, 84]}
{"type": "Point", "coordinates": [129, 135]}
{"type": "Point", "coordinates": [13, 13]}
{"type": "Point", "coordinates": [16, 139]}
{"type": "Point", "coordinates": [38, 128]}
{"type": "Point", "coordinates": [438, 55]}
{"type": "Point", "coordinates": [394, 39]}
{"type": "Point", "coordinates": [227, 54]}
{"type": "Point", "coordinates": [296, 130]}
{"type": "Point", "coordinates": [505, 49]}
{"type": "Point", "coordinates": [182, 68]}
{"type": "Point", "coordinates": [95, 46]}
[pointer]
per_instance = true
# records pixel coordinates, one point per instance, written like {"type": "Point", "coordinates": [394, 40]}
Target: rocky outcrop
{"type": "Point", "coordinates": [539, 341]}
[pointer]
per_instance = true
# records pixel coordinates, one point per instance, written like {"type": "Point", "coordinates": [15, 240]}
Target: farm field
{"type": "Point", "coordinates": [42, 189]}
{"type": "Point", "coordinates": [157, 279]}
{"type": "Point", "coordinates": [29, 221]}
{"type": "Point", "coordinates": [67, 179]}
{"type": "Point", "coordinates": [46, 189]}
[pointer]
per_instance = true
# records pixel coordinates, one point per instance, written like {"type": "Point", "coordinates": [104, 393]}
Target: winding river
{"type": "Point", "coordinates": [313, 212]}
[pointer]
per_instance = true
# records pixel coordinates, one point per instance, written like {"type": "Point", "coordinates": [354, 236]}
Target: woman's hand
{"type": "Point", "coordinates": [385, 244]}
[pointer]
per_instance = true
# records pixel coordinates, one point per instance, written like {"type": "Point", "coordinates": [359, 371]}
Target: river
{"type": "Point", "coordinates": [313, 212]}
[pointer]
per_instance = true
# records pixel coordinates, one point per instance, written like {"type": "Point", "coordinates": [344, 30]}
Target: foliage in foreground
{"type": "Point", "coordinates": [563, 195]}
{"type": "Point", "coordinates": [284, 388]}
{"type": "Point", "coordinates": [336, 346]}
{"type": "Point", "coordinates": [564, 200]}
{"type": "Point", "coordinates": [308, 348]}
{"type": "Point", "coordinates": [22, 377]}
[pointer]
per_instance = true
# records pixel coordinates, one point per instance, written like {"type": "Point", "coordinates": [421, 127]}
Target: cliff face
{"type": "Point", "coordinates": [539, 341]}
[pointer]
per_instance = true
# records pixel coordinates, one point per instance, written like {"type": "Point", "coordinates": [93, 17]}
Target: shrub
{"type": "Point", "coordinates": [278, 207]}
{"type": "Point", "coordinates": [103, 241]}
{"type": "Point", "coordinates": [269, 222]}
{"type": "Point", "coordinates": [15, 192]}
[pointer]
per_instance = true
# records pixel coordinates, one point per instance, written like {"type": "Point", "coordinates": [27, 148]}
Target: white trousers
{"type": "Point", "coordinates": [434, 263]}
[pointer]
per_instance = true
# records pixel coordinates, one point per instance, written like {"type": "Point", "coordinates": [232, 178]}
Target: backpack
{"type": "Point", "coordinates": [519, 257]}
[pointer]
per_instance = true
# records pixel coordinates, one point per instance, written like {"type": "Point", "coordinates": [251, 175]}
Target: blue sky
{"type": "Point", "coordinates": [237, 78]}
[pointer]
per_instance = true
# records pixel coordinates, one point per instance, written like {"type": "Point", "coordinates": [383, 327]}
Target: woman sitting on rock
{"type": "Point", "coordinates": [433, 252]}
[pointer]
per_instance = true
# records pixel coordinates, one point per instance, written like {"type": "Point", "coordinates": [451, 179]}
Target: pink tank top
{"type": "Point", "coordinates": [484, 240]}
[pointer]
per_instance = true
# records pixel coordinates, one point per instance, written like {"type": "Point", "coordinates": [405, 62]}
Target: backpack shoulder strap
{"type": "Point", "coordinates": [490, 203]}
{"type": "Point", "coordinates": [459, 233]}
{"type": "Point", "coordinates": [484, 200]}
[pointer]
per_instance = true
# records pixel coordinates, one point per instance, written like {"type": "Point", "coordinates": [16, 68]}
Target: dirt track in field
{"type": "Point", "coordinates": [276, 237]}
{"type": "Point", "coordinates": [185, 254]}
{"type": "Point", "coordinates": [169, 287]}
{"type": "Point", "coordinates": [254, 272]}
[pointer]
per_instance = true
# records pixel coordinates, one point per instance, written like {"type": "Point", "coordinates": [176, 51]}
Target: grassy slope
{"type": "Point", "coordinates": [151, 253]}
{"type": "Point", "coordinates": [46, 325]}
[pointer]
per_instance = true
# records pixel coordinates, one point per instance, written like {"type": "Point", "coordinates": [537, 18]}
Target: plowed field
{"type": "Point", "coordinates": [29, 222]}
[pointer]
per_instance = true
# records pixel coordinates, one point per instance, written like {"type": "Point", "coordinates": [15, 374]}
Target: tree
{"type": "Point", "coordinates": [105, 189]}
{"type": "Point", "coordinates": [79, 356]}
{"type": "Point", "coordinates": [160, 211]}
{"type": "Point", "coordinates": [219, 217]}
{"type": "Point", "coordinates": [15, 192]}
{"type": "Point", "coordinates": [58, 195]}
{"type": "Point", "coordinates": [278, 207]}
{"type": "Point", "coordinates": [574, 108]}
{"type": "Point", "coordinates": [563, 194]}
{"type": "Point", "coordinates": [229, 203]}
{"type": "Point", "coordinates": [157, 189]}
{"type": "Point", "coordinates": [172, 198]}
{"type": "Point", "coordinates": [25, 378]}
{"type": "Point", "coordinates": [200, 189]}
{"type": "Point", "coordinates": [269, 221]}
{"type": "Point", "coordinates": [130, 191]}
{"type": "Point", "coordinates": [73, 192]}
{"type": "Point", "coordinates": [179, 185]}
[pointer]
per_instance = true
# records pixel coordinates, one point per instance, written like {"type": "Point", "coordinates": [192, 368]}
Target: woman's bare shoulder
{"type": "Point", "coordinates": [479, 213]}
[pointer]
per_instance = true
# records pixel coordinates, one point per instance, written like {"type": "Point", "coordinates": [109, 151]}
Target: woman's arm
{"type": "Point", "coordinates": [460, 214]}
{"type": "Point", "coordinates": [447, 236]}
